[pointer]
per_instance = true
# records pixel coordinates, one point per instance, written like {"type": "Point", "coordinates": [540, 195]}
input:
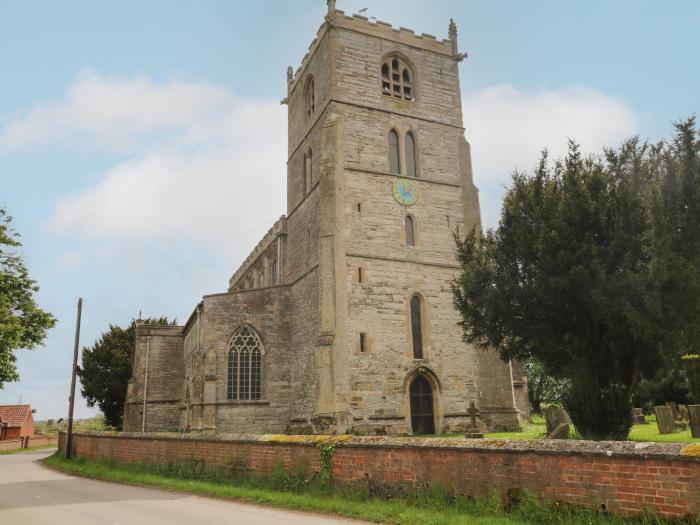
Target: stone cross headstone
{"type": "Point", "coordinates": [473, 431]}
{"type": "Point", "coordinates": [638, 416]}
{"type": "Point", "coordinates": [555, 416]}
{"type": "Point", "coordinates": [664, 419]}
{"type": "Point", "coordinates": [694, 418]}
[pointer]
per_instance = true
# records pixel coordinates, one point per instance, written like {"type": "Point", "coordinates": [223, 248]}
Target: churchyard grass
{"type": "Point", "coordinates": [535, 430]}
{"type": "Point", "coordinates": [403, 506]}
{"type": "Point", "coordinates": [648, 432]}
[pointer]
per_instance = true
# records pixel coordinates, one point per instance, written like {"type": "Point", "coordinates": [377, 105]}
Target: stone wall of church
{"type": "Point", "coordinates": [375, 242]}
{"type": "Point", "coordinates": [160, 348]}
{"type": "Point", "coordinates": [267, 311]}
{"type": "Point", "coordinates": [304, 132]}
{"type": "Point", "coordinates": [358, 61]}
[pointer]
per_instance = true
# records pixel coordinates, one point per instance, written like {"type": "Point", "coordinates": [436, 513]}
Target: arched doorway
{"type": "Point", "coordinates": [422, 415]}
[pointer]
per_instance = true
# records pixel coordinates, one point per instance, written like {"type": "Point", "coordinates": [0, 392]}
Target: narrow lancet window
{"type": "Point", "coordinates": [394, 165]}
{"type": "Point", "coordinates": [410, 234]}
{"type": "Point", "coordinates": [308, 179]}
{"type": "Point", "coordinates": [410, 144]}
{"type": "Point", "coordinates": [416, 328]}
{"type": "Point", "coordinates": [310, 98]}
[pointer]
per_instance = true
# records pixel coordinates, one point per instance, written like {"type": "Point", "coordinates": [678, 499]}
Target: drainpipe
{"type": "Point", "coordinates": [145, 384]}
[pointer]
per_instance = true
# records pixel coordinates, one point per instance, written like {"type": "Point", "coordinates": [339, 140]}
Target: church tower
{"type": "Point", "coordinates": [379, 176]}
{"type": "Point", "coordinates": [341, 318]}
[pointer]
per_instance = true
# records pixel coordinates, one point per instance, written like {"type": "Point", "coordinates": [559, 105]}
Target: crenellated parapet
{"type": "Point", "coordinates": [337, 19]}
{"type": "Point", "coordinates": [266, 257]}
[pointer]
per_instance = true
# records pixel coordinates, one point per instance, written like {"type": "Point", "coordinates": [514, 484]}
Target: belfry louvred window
{"type": "Point", "coordinates": [397, 79]}
{"type": "Point", "coordinates": [245, 365]}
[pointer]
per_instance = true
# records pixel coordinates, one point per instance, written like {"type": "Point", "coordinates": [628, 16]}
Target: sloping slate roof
{"type": "Point", "coordinates": [14, 415]}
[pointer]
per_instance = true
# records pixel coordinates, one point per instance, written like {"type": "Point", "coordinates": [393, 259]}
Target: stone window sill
{"type": "Point", "coordinates": [262, 402]}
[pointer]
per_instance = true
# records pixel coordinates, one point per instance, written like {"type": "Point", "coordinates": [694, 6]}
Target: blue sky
{"type": "Point", "coordinates": [142, 144]}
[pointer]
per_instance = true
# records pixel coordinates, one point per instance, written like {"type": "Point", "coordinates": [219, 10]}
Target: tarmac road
{"type": "Point", "coordinates": [31, 494]}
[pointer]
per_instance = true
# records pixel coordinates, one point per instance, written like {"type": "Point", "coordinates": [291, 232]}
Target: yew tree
{"type": "Point", "coordinates": [106, 368]}
{"type": "Point", "coordinates": [593, 270]}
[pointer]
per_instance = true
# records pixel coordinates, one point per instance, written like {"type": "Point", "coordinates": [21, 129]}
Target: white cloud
{"type": "Point", "coordinates": [113, 114]}
{"type": "Point", "coordinates": [216, 170]}
{"type": "Point", "coordinates": [508, 129]}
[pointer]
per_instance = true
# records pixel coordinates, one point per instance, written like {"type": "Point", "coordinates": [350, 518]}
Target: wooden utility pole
{"type": "Point", "coordinates": [71, 399]}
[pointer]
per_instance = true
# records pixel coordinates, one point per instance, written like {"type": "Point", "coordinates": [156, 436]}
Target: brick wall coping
{"type": "Point", "coordinates": [618, 449]}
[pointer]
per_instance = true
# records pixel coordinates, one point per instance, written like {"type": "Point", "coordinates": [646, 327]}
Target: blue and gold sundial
{"type": "Point", "coordinates": [405, 192]}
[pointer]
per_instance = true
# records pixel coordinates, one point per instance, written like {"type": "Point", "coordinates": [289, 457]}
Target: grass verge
{"type": "Point", "coordinates": [21, 450]}
{"type": "Point", "coordinates": [386, 504]}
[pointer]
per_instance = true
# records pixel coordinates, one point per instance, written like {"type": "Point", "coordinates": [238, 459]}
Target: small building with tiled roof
{"type": "Point", "coordinates": [16, 421]}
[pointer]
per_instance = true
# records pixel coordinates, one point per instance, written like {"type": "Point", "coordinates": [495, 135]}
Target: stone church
{"type": "Point", "coordinates": [341, 319]}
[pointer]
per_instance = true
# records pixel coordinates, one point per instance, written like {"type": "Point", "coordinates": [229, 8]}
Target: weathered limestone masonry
{"type": "Point", "coordinates": [620, 477]}
{"type": "Point", "coordinates": [341, 319]}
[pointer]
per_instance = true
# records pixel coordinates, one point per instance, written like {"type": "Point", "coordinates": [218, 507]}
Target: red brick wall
{"type": "Point", "coordinates": [624, 477]}
{"type": "Point", "coordinates": [11, 444]}
{"type": "Point", "coordinates": [27, 426]}
{"type": "Point", "coordinates": [27, 442]}
{"type": "Point", "coordinates": [12, 433]}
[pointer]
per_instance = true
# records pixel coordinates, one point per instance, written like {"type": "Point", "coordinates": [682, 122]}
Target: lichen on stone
{"type": "Point", "coordinates": [691, 450]}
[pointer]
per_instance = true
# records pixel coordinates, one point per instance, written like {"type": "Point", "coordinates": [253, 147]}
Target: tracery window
{"type": "Point", "coordinates": [309, 98]}
{"type": "Point", "coordinates": [410, 233]}
{"type": "Point", "coordinates": [245, 365]}
{"type": "Point", "coordinates": [416, 328]}
{"type": "Point", "coordinates": [397, 79]}
{"type": "Point", "coordinates": [394, 164]}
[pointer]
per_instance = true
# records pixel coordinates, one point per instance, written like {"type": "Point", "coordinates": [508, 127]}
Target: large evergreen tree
{"type": "Point", "coordinates": [106, 369]}
{"type": "Point", "coordinates": [594, 269]}
{"type": "Point", "coordinates": [22, 323]}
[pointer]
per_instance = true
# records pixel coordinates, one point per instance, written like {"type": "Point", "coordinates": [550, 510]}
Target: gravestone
{"type": "Point", "coordinates": [664, 419]}
{"type": "Point", "coordinates": [555, 416]}
{"type": "Point", "coordinates": [683, 412]}
{"type": "Point", "coordinates": [473, 431]}
{"type": "Point", "coordinates": [694, 417]}
{"type": "Point", "coordinates": [674, 409]}
{"type": "Point", "coordinates": [561, 432]}
{"type": "Point", "coordinates": [638, 417]}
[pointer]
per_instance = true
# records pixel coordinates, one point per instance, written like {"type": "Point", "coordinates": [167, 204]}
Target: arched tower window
{"type": "Point", "coordinates": [416, 327]}
{"type": "Point", "coordinates": [245, 365]}
{"type": "Point", "coordinates": [397, 79]}
{"type": "Point", "coordinates": [309, 98]}
{"type": "Point", "coordinates": [394, 164]}
{"type": "Point", "coordinates": [410, 233]}
{"type": "Point", "coordinates": [308, 179]}
{"type": "Point", "coordinates": [410, 149]}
